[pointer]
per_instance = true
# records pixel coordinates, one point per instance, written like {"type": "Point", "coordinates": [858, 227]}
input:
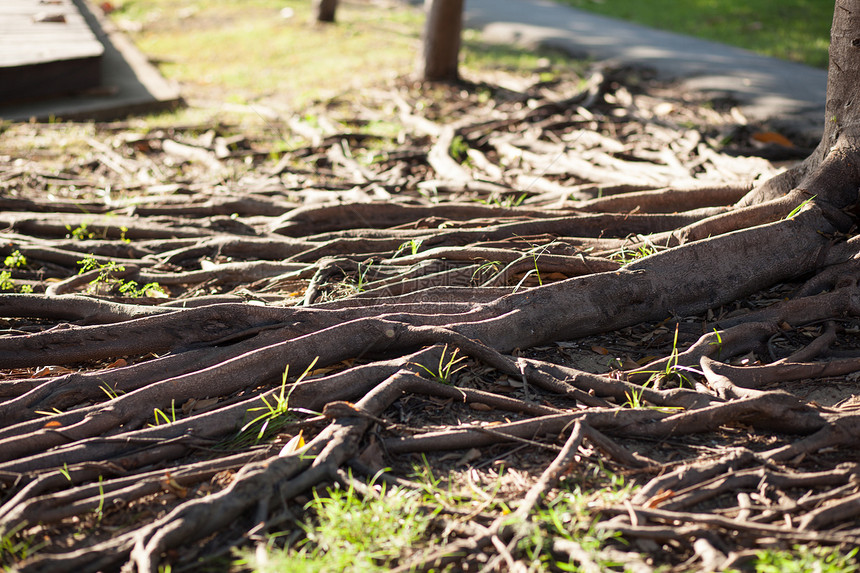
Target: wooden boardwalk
{"type": "Point", "coordinates": [46, 49]}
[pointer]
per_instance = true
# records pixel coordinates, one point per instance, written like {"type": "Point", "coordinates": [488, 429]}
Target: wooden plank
{"type": "Point", "coordinates": [46, 48]}
{"type": "Point", "coordinates": [130, 83]}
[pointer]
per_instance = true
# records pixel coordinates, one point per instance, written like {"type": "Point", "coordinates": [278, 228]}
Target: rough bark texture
{"type": "Point", "coordinates": [165, 426]}
{"type": "Point", "coordinates": [324, 10]}
{"type": "Point", "coordinates": [440, 52]}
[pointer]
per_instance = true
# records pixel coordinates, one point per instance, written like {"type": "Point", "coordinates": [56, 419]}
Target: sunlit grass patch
{"type": "Point", "coordinates": [347, 532]}
{"type": "Point", "coordinates": [797, 30]}
{"type": "Point", "coordinates": [250, 49]}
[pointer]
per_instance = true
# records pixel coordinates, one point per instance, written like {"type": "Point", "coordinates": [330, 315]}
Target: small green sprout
{"type": "Point", "coordinates": [6, 283]}
{"type": "Point", "coordinates": [412, 245]}
{"type": "Point", "coordinates": [447, 367]}
{"type": "Point", "coordinates": [99, 511]}
{"type": "Point", "coordinates": [626, 255]}
{"type": "Point", "coordinates": [16, 260]}
{"type": "Point", "coordinates": [80, 233]}
{"type": "Point", "coordinates": [280, 405]}
{"type": "Point", "coordinates": [634, 397]}
{"type": "Point", "coordinates": [131, 290]}
{"type": "Point", "coordinates": [105, 278]}
{"type": "Point", "coordinates": [718, 342]}
{"type": "Point", "coordinates": [111, 392]}
{"type": "Point", "coordinates": [65, 472]}
{"type": "Point", "coordinates": [459, 149]}
{"type": "Point", "coordinates": [161, 417]}
{"type": "Point", "coordinates": [361, 281]}
{"type": "Point", "coordinates": [507, 201]}
{"type": "Point", "coordinates": [797, 209]}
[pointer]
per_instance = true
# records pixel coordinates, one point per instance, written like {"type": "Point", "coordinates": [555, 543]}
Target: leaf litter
{"type": "Point", "coordinates": [385, 195]}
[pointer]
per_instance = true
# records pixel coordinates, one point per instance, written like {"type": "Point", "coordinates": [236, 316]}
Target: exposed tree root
{"type": "Point", "coordinates": [410, 322]}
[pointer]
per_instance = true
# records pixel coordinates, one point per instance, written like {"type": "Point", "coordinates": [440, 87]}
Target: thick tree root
{"type": "Point", "coordinates": [296, 337]}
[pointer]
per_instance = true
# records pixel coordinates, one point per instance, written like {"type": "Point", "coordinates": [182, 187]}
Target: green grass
{"type": "Point", "coordinates": [346, 531]}
{"type": "Point", "coordinates": [106, 281]}
{"type": "Point", "coordinates": [278, 411]}
{"type": "Point", "coordinates": [228, 53]}
{"type": "Point", "coordinates": [350, 533]}
{"type": "Point", "coordinates": [804, 559]}
{"type": "Point", "coordinates": [246, 48]}
{"type": "Point", "coordinates": [625, 255]}
{"type": "Point", "coordinates": [15, 546]}
{"type": "Point", "coordinates": [447, 367]}
{"type": "Point", "coordinates": [569, 515]}
{"type": "Point", "coordinates": [797, 30]}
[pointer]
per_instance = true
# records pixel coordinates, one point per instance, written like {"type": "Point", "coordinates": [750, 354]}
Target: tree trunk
{"type": "Point", "coordinates": [839, 144]}
{"type": "Point", "coordinates": [831, 167]}
{"type": "Point", "coordinates": [441, 46]}
{"type": "Point", "coordinates": [324, 10]}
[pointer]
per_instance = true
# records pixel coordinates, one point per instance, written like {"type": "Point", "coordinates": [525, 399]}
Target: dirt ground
{"type": "Point", "coordinates": [139, 255]}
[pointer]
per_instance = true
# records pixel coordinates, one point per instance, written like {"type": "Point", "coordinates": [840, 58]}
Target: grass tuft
{"type": "Point", "coordinates": [350, 533]}
{"type": "Point", "coordinates": [803, 559]}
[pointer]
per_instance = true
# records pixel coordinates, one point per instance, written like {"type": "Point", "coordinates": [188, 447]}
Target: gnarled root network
{"type": "Point", "coordinates": [275, 344]}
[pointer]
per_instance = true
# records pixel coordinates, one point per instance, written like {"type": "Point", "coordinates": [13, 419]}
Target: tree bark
{"type": "Point", "coordinates": [832, 166]}
{"type": "Point", "coordinates": [324, 10]}
{"type": "Point", "coordinates": [842, 112]}
{"type": "Point", "coordinates": [440, 50]}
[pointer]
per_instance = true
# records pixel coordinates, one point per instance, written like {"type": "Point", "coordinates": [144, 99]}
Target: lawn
{"type": "Point", "coordinates": [796, 30]}
{"type": "Point", "coordinates": [206, 46]}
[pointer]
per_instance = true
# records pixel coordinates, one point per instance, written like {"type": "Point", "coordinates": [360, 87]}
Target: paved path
{"type": "Point", "coordinates": [766, 88]}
